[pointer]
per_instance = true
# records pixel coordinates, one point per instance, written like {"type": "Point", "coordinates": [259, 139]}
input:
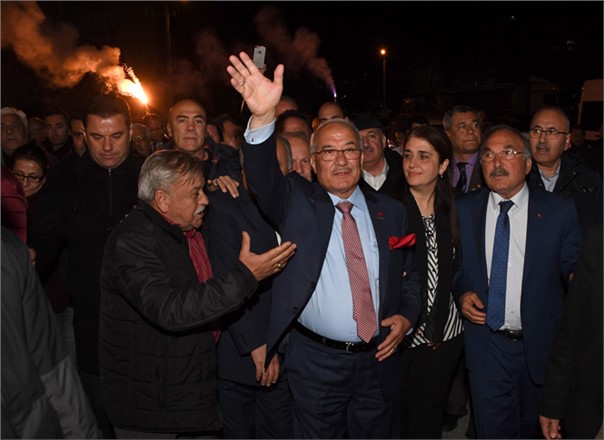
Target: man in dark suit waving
{"type": "Point", "coordinates": [342, 369]}
{"type": "Point", "coordinates": [507, 348]}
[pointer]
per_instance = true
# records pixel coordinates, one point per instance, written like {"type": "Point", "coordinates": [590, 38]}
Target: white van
{"type": "Point", "coordinates": [591, 113]}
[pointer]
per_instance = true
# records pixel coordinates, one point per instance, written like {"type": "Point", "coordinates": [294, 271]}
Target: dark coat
{"type": "Point", "coordinates": [42, 396]}
{"type": "Point", "coordinates": [395, 183]}
{"type": "Point", "coordinates": [582, 184]}
{"type": "Point", "coordinates": [158, 360]}
{"type": "Point", "coordinates": [81, 206]}
{"type": "Point", "coordinates": [573, 385]}
{"type": "Point", "coordinates": [246, 328]}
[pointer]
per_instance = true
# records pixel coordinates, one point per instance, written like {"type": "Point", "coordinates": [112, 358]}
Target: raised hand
{"type": "Point", "coordinates": [260, 93]}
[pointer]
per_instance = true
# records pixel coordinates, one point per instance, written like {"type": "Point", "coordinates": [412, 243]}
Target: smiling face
{"type": "Point", "coordinates": [341, 176]}
{"type": "Point", "coordinates": [505, 176]}
{"type": "Point", "coordinates": [108, 139]}
{"type": "Point", "coordinates": [422, 164]}
{"type": "Point", "coordinates": [187, 125]}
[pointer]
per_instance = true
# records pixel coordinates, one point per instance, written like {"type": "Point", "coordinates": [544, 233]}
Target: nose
{"type": "Point", "coordinates": [107, 144]}
{"type": "Point", "coordinates": [203, 198]}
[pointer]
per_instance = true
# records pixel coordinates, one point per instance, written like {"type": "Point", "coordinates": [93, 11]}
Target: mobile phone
{"type": "Point", "coordinates": [259, 53]}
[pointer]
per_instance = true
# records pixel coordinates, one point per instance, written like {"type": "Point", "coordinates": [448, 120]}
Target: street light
{"type": "Point", "coordinates": [383, 54]}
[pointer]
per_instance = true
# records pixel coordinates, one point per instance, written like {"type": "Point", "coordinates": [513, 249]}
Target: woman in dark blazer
{"type": "Point", "coordinates": [434, 348]}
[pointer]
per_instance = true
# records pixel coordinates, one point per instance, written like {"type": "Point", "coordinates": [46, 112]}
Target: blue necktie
{"type": "Point", "coordinates": [499, 268]}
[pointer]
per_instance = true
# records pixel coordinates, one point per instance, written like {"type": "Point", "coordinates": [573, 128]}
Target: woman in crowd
{"type": "Point", "coordinates": [433, 349]}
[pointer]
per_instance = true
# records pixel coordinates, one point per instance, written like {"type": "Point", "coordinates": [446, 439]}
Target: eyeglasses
{"type": "Point", "coordinates": [330, 154]}
{"type": "Point", "coordinates": [535, 132]}
{"type": "Point", "coordinates": [138, 138]}
{"type": "Point", "coordinates": [508, 154]}
{"type": "Point", "coordinates": [31, 178]}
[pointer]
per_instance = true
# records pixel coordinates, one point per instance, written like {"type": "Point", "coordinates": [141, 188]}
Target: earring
{"type": "Point", "coordinates": [441, 176]}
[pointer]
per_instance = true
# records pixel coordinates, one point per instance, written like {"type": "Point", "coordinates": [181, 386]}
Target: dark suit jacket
{"type": "Point", "coordinates": [552, 249]}
{"type": "Point", "coordinates": [476, 179]}
{"type": "Point", "coordinates": [395, 184]}
{"type": "Point", "coordinates": [304, 214]}
{"type": "Point", "coordinates": [573, 385]}
{"type": "Point", "coordinates": [246, 328]}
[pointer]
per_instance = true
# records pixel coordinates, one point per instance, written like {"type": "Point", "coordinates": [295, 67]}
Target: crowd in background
{"type": "Point", "coordinates": [176, 326]}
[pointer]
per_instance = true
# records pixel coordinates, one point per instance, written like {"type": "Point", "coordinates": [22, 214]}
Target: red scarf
{"type": "Point", "coordinates": [201, 261]}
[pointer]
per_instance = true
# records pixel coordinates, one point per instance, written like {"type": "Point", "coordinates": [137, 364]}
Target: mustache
{"type": "Point", "coordinates": [499, 172]}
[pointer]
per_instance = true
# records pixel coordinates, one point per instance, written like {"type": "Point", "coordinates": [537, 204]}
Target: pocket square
{"type": "Point", "coordinates": [401, 242]}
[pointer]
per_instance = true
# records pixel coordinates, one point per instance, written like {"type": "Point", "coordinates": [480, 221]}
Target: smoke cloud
{"type": "Point", "coordinates": [297, 52]}
{"type": "Point", "coordinates": [51, 50]}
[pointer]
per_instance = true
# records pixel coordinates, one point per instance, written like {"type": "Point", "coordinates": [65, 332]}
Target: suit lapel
{"type": "Point", "coordinates": [537, 232]}
{"type": "Point", "coordinates": [379, 221]}
{"type": "Point", "coordinates": [480, 214]}
{"type": "Point", "coordinates": [325, 213]}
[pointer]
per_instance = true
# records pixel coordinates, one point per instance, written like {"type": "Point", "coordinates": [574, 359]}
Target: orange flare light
{"type": "Point", "coordinates": [132, 87]}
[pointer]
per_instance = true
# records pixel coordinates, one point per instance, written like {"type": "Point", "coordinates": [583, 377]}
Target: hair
{"type": "Point", "coordinates": [457, 109]}
{"type": "Point", "coordinates": [343, 121]}
{"type": "Point", "coordinates": [444, 194]}
{"type": "Point", "coordinates": [35, 153]}
{"type": "Point", "coordinates": [53, 112]}
{"type": "Point", "coordinates": [147, 130]}
{"type": "Point", "coordinates": [287, 114]}
{"type": "Point", "coordinates": [285, 98]}
{"type": "Point", "coordinates": [164, 168]}
{"type": "Point", "coordinates": [556, 109]}
{"type": "Point", "coordinates": [77, 116]}
{"type": "Point", "coordinates": [221, 119]}
{"type": "Point", "coordinates": [218, 129]}
{"type": "Point", "coordinates": [288, 152]}
{"type": "Point", "coordinates": [106, 106]}
{"type": "Point", "coordinates": [17, 112]}
{"type": "Point", "coordinates": [150, 116]}
{"type": "Point", "coordinates": [491, 130]}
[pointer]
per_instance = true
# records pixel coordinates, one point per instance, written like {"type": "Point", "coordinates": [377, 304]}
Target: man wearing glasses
{"type": "Point", "coordinates": [518, 246]}
{"type": "Point", "coordinates": [345, 369]}
{"type": "Point", "coordinates": [557, 170]}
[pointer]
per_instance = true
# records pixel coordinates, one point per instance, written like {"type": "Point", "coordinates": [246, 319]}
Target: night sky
{"type": "Point", "coordinates": [435, 49]}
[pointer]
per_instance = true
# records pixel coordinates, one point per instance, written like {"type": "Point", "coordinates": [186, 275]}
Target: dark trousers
{"type": "Point", "coordinates": [256, 411]}
{"type": "Point", "coordinates": [336, 394]}
{"type": "Point", "coordinates": [505, 399]}
{"type": "Point", "coordinates": [92, 386]}
{"type": "Point", "coordinates": [425, 380]}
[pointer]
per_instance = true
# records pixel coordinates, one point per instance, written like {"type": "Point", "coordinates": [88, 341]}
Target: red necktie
{"type": "Point", "coordinates": [362, 303]}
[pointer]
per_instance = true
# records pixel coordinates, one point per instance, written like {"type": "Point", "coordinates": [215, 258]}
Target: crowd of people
{"type": "Point", "coordinates": [277, 273]}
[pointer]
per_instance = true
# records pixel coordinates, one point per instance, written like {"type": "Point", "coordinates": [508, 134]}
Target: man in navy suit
{"type": "Point", "coordinates": [507, 365]}
{"type": "Point", "coordinates": [342, 385]}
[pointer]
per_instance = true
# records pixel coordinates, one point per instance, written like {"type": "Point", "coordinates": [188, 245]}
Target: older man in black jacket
{"type": "Point", "coordinates": [158, 295]}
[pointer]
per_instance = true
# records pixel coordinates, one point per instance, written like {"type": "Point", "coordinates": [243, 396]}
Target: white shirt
{"type": "Point", "coordinates": [518, 215]}
{"type": "Point", "coordinates": [378, 180]}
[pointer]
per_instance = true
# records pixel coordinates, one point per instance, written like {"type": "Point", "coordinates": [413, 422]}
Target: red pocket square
{"type": "Point", "coordinates": [401, 242]}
